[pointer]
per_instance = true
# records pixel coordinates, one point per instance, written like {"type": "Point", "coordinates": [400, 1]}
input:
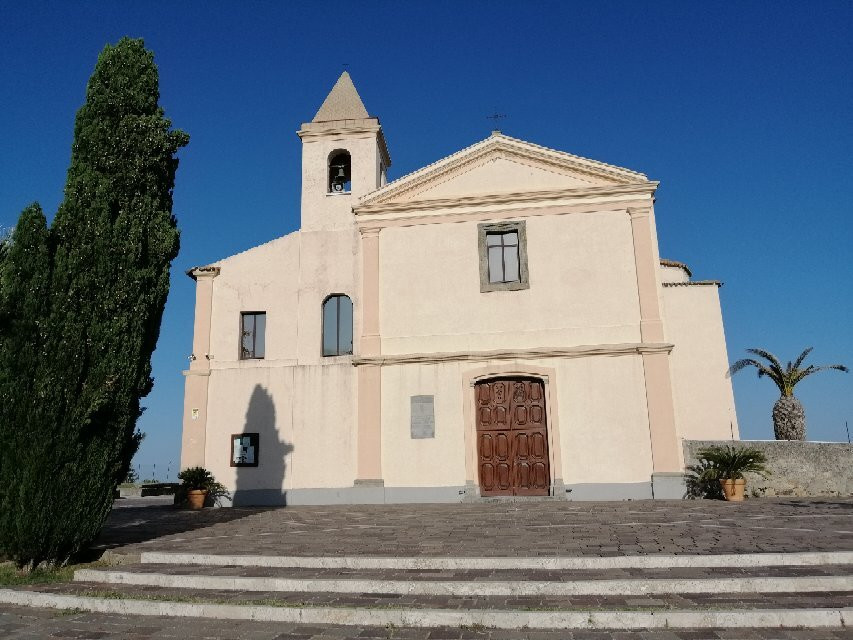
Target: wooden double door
{"type": "Point", "coordinates": [512, 437]}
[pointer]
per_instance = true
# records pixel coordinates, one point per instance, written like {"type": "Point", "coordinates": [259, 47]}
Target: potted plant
{"type": "Point", "coordinates": [196, 483]}
{"type": "Point", "coordinates": [726, 465]}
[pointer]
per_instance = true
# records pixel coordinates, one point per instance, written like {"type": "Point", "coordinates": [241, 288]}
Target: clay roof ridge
{"type": "Point", "coordinates": [693, 283]}
{"type": "Point", "coordinates": [675, 263]}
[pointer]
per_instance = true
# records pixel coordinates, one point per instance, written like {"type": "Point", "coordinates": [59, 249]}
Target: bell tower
{"type": "Point", "coordinates": [344, 157]}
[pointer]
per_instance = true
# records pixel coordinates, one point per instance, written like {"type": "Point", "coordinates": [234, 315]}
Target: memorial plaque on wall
{"type": "Point", "coordinates": [423, 417]}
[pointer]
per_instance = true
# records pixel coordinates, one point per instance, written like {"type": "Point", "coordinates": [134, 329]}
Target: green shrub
{"type": "Point", "coordinates": [716, 463]}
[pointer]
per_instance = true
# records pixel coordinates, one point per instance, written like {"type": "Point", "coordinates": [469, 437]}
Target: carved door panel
{"type": "Point", "coordinates": [512, 442]}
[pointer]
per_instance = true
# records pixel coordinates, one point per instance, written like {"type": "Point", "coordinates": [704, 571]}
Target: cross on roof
{"type": "Point", "coordinates": [496, 117]}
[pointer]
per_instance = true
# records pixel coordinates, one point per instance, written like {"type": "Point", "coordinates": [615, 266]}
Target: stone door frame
{"type": "Point", "coordinates": [469, 411]}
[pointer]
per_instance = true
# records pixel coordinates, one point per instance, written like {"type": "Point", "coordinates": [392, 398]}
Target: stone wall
{"type": "Point", "coordinates": [798, 468]}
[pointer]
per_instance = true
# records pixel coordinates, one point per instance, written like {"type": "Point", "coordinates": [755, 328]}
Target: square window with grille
{"type": "Point", "coordinates": [503, 256]}
{"type": "Point", "coordinates": [252, 335]}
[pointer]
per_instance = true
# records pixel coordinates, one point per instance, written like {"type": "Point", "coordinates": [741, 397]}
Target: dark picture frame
{"type": "Point", "coordinates": [244, 449]}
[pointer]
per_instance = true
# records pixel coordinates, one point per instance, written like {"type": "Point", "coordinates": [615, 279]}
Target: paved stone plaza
{"type": "Point", "coordinates": [511, 530]}
{"type": "Point", "coordinates": [503, 529]}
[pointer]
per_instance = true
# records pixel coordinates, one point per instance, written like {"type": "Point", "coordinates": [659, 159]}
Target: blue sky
{"type": "Point", "coordinates": [741, 110]}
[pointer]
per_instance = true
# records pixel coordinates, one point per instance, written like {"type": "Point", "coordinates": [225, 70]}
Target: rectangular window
{"type": "Point", "coordinates": [503, 256]}
{"type": "Point", "coordinates": [252, 337]}
{"type": "Point", "coordinates": [337, 325]}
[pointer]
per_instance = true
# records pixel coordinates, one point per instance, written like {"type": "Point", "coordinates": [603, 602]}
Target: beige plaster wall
{"type": "Point", "coordinates": [265, 278]}
{"type": "Point", "coordinates": [600, 414]}
{"type": "Point", "coordinates": [287, 278]}
{"type": "Point", "coordinates": [604, 423]}
{"type": "Point", "coordinates": [583, 287]}
{"type": "Point", "coordinates": [704, 402]}
{"type": "Point", "coordinates": [427, 462]}
{"type": "Point", "coordinates": [329, 265]}
{"type": "Point", "coordinates": [303, 415]}
{"type": "Point", "coordinates": [673, 274]}
{"type": "Point", "coordinates": [312, 397]}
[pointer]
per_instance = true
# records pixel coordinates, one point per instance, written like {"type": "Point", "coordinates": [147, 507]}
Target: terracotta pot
{"type": "Point", "coordinates": [733, 489]}
{"type": "Point", "coordinates": [195, 498]}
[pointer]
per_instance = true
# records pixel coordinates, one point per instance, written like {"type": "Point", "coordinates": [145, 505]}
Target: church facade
{"type": "Point", "coordinates": [497, 323]}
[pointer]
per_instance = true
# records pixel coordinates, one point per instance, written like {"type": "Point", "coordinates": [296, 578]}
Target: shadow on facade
{"type": "Point", "coordinates": [262, 485]}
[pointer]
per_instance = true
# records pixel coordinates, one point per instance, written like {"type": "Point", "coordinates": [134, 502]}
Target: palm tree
{"type": "Point", "coordinates": [789, 417]}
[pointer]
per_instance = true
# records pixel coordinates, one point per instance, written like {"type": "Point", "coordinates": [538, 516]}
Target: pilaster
{"type": "Point", "coordinates": [198, 375]}
{"type": "Point", "coordinates": [369, 462]}
{"type": "Point", "coordinates": [666, 455]}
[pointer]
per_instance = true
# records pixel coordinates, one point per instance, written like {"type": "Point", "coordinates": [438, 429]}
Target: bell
{"type": "Point", "coordinates": [339, 180]}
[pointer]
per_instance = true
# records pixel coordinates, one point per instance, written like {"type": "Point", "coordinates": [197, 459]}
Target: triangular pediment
{"type": "Point", "coordinates": [502, 165]}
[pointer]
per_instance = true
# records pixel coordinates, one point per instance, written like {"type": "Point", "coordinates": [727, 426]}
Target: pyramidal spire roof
{"type": "Point", "coordinates": [342, 103]}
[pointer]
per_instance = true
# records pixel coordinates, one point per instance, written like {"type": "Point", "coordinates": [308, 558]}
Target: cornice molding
{"type": "Point", "coordinates": [196, 372]}
{"type": "Point", "coordinates": [360, 129]}
{"type": "Point", "coordinates": [639, 212]}
{"type": "Point", "coordinates": [582, 351]}
{"type": "Point", "coordinates": [339, 130]}
{"type": "Point", "coordinates": [515, 197]}
{"type": "Point", "coordinates": [369, 231]}
{"type": "Point", "coordinates": [695, 283]}
{"type": "Point", "coordinates": [203, 272]}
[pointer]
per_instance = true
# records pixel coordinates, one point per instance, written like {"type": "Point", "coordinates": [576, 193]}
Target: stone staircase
{"type": "Point", "coordinates": [757, 590]}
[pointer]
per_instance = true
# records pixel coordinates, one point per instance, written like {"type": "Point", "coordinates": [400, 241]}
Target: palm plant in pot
{"type": "Point", "coordinates": [727, 466]}
{"type": "Point", "coordinates": [196, 483]}
{"type": "Point", "coordinates": [789, 417]}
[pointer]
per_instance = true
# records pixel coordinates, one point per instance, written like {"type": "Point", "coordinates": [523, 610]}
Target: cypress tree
{"type": "Point", "coordinates": [111, 245]}
{"type": "Point", "coordinates": [24, 292]}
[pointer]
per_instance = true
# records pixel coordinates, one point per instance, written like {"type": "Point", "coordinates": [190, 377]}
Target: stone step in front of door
{"type": "Point", "coordinates": [488, 575]}
{"type": "Point", "coordinates": [472, 587]}
{"type": "Point", "coordinates": [705, 613]}
{"type": "Point", "coordinates": [769, 590]}
{"type": "Point", "coordinates": [550, 563]}
{"type": "Point", "coordinates": [651, 602]}
{"type": "Point", "coordinates": [36, 624]}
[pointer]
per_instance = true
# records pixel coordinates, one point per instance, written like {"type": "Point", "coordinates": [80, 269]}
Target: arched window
{"type": "Point", "coordinates": [340, 172]}
{"type": "Point", "coordinates": [337, 325]}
